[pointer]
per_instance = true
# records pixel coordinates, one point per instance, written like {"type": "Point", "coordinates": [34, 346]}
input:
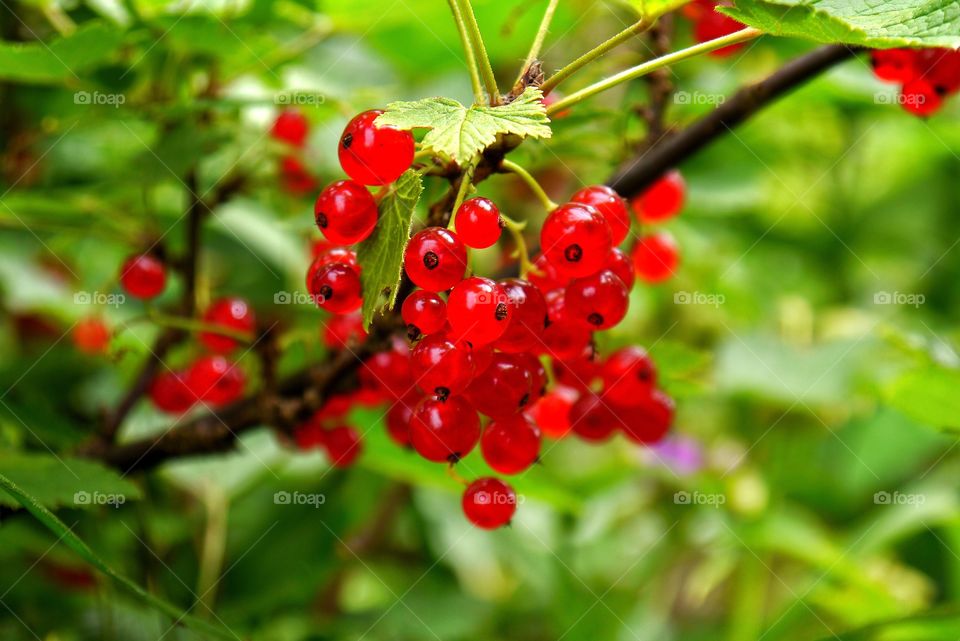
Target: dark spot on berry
{"type": "Point", "coordinates": [321, 220]}
{"type": "Point", "coordinates": [573, 253]}
{"type": "Point", "coordinates": [524, 400]}
{"type": "Point", "coordinates": [347, 141]}
{"type": "Point", "coordinates": [431, 260]}
{"type": "Point", "coordinates": [454, 458]}
{"type": "Point", "coordinates": [941, 90]}
{"type": "Point", "coordinates": [543, 391]}
{"type": "Point", "coordinates": [643, 374]}
{"type": "Point", "coordinates": [501, 311]}
{"type": "Point", "coordinates": [326, 292]}
{"type": "Point", "coordinates": [413, 332]}
{"type": "Point", "coordinates": [546, 322]}
{"type": "Point", "coordinates": [443, 393]}
{"type": "Point", "coordinates": [595, 319]}
{"type": "Point", "coordinates": [500, 223]}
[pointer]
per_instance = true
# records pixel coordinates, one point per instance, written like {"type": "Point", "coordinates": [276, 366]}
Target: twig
{"type": "Point", "coordinates": [537, 44]}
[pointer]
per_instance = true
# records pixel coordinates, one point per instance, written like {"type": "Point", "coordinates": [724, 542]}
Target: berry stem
{"type": "Point", "coordinates": [601, 49]}
{"type": "Point", "coordinates": [467, 50]}
{"type": "Point", "coordinates": [466, 183]}
{"type": "Point", "coordinates": [537, 44]}
{"type": "Point", "coordinates": [532, 183]}
{"type": "Point", "coordinates": [523, 255]}
{"type": "Point", "coordinates": [452, 473]}
{"type": "Point", "coordinates": [483, 60]}
{"type": "Point", "coordinates": [652, 65]}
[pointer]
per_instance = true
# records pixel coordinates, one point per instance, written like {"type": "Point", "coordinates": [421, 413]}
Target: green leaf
{"type": "Point", "coordinates": [892, 23]}
{"type": "Point", "coordinates": [60, 60]}
{"type": "Point", "coordinates": [654, 8]}
{"type": "Point", "coordinates": [75, 543]}
{"type": "Point", "coordinates": [63, 481]}
{"type": "Point", "coordinates": [461, 132]}
{"type": "Point", "coordinates": [381, 255]}
{"type": "Point", "coordinates": [928, 395]}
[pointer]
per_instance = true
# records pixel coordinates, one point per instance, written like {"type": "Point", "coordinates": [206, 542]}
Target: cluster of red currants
{"type": "Point", "coordinates": [291, 127]}
{"type": "Point", "coordinates": [926, 76]}
{"type": "Point", "coordinates": [479, 346]}
{"type": "Point", "coordinates": [708, 24]}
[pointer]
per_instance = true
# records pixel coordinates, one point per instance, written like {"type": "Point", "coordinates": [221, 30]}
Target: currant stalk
{"type": "Point", "coordinates": [523, 254]}
{"type": "Point", "coordinates": [538, 39]}
{"type": "Point", "coordinates": [483, 60]}
{"type": "Point", "coordinates": [531, 182]}
{"type": "Point", "coordinates": [467, 51]}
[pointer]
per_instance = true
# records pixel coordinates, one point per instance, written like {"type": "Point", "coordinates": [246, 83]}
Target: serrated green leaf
{"type": "Point", "coordinates": [33, 505]}
{"type": "Point", "coordinates": [462, 132]}
{"type": "Point", "coordinates": [892, 23]}
{"type": "Point", "coordinates": [928, 395]}
{"type": "Point", "coordinates": [381, 255]}
{"type": "Point", "coordinates": [64, 481]}
{"type": "Point", "coordinates": [60, 60]}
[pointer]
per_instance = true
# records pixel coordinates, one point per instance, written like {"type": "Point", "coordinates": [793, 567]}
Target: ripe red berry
{"type": "Point", "coordinates": [510, 444]}
{"type": "Point", "coordinates": [538, 375]}
{"type": "Point", "coordinates": [295, 177]}
{"type": "Point", "coordinates": [528, 317]}
{"type": "Point", "coordinates": [336, 288]}
{"type": "Point", "coordinates": [599, 301]}
{"type": "Point", "coordinates": [610, 205]}
{"type": "Point", "coordinates": [478, 311]}
{"type": "Point", "coordinates": [341, 331]}
{"type": "Point", "coordinates": [656, 257]}
{"type": "Point", "coordinates": [552, 412]}
{"type": "Point", "coordinates": [564, 338]}
{"type": "Point", "coordinates": [576, 239]}
{"type": "Point", "coordinates": [229, 313]}
{"type": "Point", "coordinates": [398, 419]}
{"type": "Point", "coordinates": [620, 264]}
{"type": "Point", "coordinates": [545, 277]}
{"type": "Point", "coordinates": [628, 376]}
{"type": "Point", "coordinates": [143, 276]}
{"type": "Point", "coordinates": [503, 388]}
{"type": "Point", "coordinates": [593, 420]}
{"type": "Point", "coordinates": [580, 372]}
{"type": "Point", "coordinates": [435, 259]}
{"type": "Point", "coordinates": [170, 393]}
{"type": "Point", "coordinates": [478, 223]}
{"type": "Point", "coordinates": [440, 367]}
{"type": "Point", "coordinates": [713, 25]}
{"type": "Point", "coordinates": [388, 372]}
{"type": "Point", "coordinates": [489, 503]}
{"type": "Point", "coordinates": [921, 98]}
{"type": "Point", "coordinates": [345, 212]}
{"type": "Point", "coordinates": [374, 155]}
{"type": "Point", "coordinates": [444, 430]}
{"type": "Point", "coordinates": [423, 313]}
{"type": "Point", "coordinates": [894, 65]}
{"type": "Point", "coordinates": [291, 126]}
{"type": "Point", "coordinates": [343, 445]}
{"type": "Point", "coordinates": [215, 380]}
{"type": "Point", "coordinates": [91, 335]}
{"type": "Point", "coordinates": [310, 434]}
{"type": "Point", "coordinates": [648, 422]}
{"type": "Point", "coordinates": [663, 200]}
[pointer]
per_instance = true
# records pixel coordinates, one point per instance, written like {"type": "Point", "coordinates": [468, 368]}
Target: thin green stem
{"type": "Point", "coordinates": [601, 49]}
{"type": "Point", "coordinates": [466, 183]}
{"type": "Point", "coordinates": [532, 183]}
{"type": "Point", "coordinates": [652, 65]}
{"type": "Point", "coordinates": [539, 38]}
{"type": "Point", "coordinates": [467, 50]}
{"type": "Point", "coordinates": [193, 325]}
{"type": "Point", "coordinates": [486, 70]}
{"type": "Point", "coordinates": [516, 230]}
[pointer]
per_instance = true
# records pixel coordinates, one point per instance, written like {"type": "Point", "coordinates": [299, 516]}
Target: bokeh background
{"type": "Point", "coordinates": [809, 337]}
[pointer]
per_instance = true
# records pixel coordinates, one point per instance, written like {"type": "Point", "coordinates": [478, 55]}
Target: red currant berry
{"type": "Point", "coordinates": [610, 205]}
{"type": "Point", "coordinates": [398, 419]}
{"type": "Point", "coordinates": [565, 339]}
{"type": "Point", "coordinates": [551, 99]}
{"type": "Point", "coordinates": [91, 335]}
{"type": "Point", "coordinates": [440, 367]}
{"type": "Point", "coordinates": [435, 259]}
{"type": "Point", "coordinates": [921, 98]}
{"type": "Point", "coordinates": [648, 422]}
{"type": "Point", "coordinates": [545, 276]}
{"type": "Point", "coordinates": [343, 445]}
{"type": "Point", "coordinates": [580, 372]}
{"type": "Point", "coordinates": [444, 430]}
{"type": "Point", "coordinates": [229, 313]}
{"type": "Point", "coordinates": [478, 310]}
{"type": "Point", "coordinates": [143, 276]}
{"type": "Point", "coordinates": [593, 420]}
{"type": "Point", "coordinates": [310, 434]}
{"type": "Point", "coordinates": [489, 503]}
{"type": "Point", "coordinates": [663, 200]}
{"type": "Point", "coordinates": [599, 301]}
{"type": "Point", "coordinates": [894, 65]}
{"type": "Point", "coordinates": [215, 380]}
{"type": "Point", "coordinates": [943, 70]}
{"type": "Point", "coordinates": [713, 25]}
{"type": "Point", "coordinates": [388, 372]}
{"type": "Point", "coordinates": [628, 376]}
{"type": "Point", "coordinates": [170, 393]}
{"type": "Point", "coordinates": [538, 376]}
{"type": "Point", "coordinates": [656, 257]}
{"type": "Point", "coordinates": [335, 287]}
{"type": "Point", "coordinates": [345, 212]}
{"type": "Point", "coordinates": [424, 313]}
{"type": "Point", "coordinates": [575, 238]}
{"type": "Point", "coordinates": [510, 445]}
{"type": "Point", "coordinates": [620, 264]}
{"type": "Point", "coordinates": [552, 412]}
{"type": "Point", "coordinates": [374, 155]}
{"type": "Point", "coordinates": [529, 316]}
{"type": "Point", "coordinates": [334, 407]}
{"type": "Point", "coordinates": [291, 127]}
{"type": "Point", "coordinates": [329, 256]}
{"type": "Point", "coordinates": [295, 177]}
{"type": "Point", "coordinates": [503, 388]}
{"type": "Point", "coordinates": [478, 223]}
{"type": "Point", "coordinates": [341, 331]}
